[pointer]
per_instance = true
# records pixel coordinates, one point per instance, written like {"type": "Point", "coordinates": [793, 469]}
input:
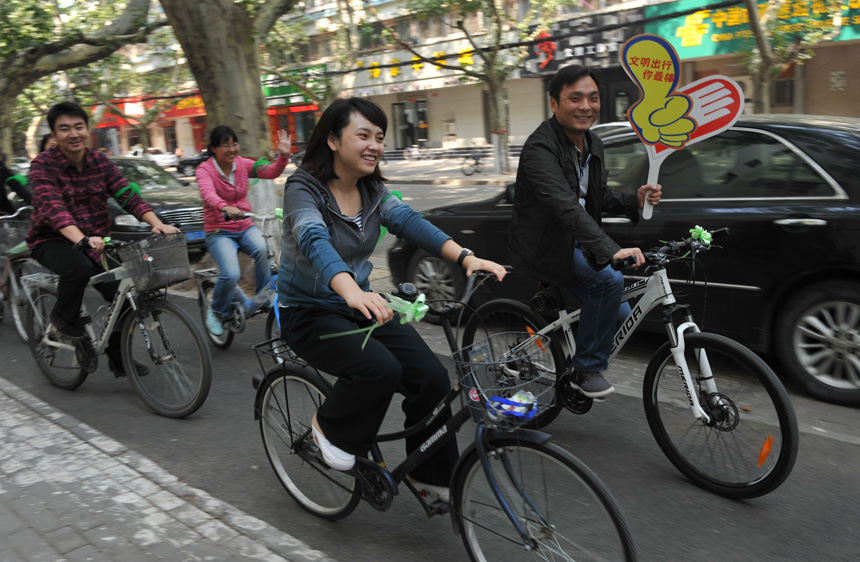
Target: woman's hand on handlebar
{"type": "Point", "coordinates": [371, 304]}
{"type": "Point", "coordinates": [232, 213]}
{"type": "Point", "coordinates": [474, 264]}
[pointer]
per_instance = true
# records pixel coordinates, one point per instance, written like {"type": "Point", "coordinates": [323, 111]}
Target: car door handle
{"type": "Point", "coordinates": [800, 222]}
{"type": "Point", "coordinates": [616, 220]}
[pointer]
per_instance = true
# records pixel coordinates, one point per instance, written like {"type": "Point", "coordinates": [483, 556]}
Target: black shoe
{"type": "Point", "coordinates": [86, 355]}
{"type": "Point", "coordinates": [72, 331]}
{"type": "Point", "coordinates": [591, 384]}
{"type": "Point", "coordinates": [118, 369]}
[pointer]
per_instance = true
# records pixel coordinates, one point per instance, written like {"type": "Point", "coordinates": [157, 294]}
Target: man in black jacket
{"type": "Point", "coordinates": [556, 231]}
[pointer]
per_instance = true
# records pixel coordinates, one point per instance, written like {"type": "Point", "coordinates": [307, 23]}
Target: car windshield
{"type": "Point", "coordinates": [147, 175]}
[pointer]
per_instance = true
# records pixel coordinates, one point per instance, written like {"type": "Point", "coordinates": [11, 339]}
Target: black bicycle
{"type": "Point", "coordinates": [514, 494]}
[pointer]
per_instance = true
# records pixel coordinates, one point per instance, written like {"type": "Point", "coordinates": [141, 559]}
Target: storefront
{"type": "Point", "coordinates": [291, 109]}
{"type": "Point", "coordinates": [712, 41]}
{"type": "Point", "coordinates": [594, 41]}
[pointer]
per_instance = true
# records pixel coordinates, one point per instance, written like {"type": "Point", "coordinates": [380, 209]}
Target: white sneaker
{"type": "Point", "coordinates": [334, 457]}
{"type": "Point", "coordinates": [432, 492]}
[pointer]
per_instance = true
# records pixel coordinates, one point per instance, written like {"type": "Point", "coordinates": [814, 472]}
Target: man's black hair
{"type": "Point", "coordinates": [569, 75]}
{"type": "Point", "coordinates": [68, 108]}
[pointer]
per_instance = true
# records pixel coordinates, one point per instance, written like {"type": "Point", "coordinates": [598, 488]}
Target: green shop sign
{"type": "Point", "coordinates": [726, 30]}
{"type": "Point", "coordinates": [310, 76]}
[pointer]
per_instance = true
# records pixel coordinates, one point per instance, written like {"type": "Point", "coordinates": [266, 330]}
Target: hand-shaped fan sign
{"type": "Point", "coordinates": [666, 118]}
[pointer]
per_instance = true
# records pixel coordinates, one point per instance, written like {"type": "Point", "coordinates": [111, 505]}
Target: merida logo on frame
{"type": "Point", "coordinates": [435, 437]}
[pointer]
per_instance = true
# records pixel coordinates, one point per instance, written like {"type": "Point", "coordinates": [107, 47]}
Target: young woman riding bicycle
{"type": "Point", "coordinates": [223, 184]}
{"type": "Point", "coordinates": [335, 206]}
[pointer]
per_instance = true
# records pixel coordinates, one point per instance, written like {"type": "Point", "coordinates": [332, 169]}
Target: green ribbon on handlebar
{"type": "Point", "coordinates": [410, 311]}
{"type": "Point", "coordinates": [701, 235]}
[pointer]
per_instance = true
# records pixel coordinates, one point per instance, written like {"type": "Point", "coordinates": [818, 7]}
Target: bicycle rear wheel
{"type": "Point", "coordinates": [503, 316]}
{"type": "Point", "coordinates": [566, 511]}
{"type": "Point", "coordinates": [225, 340]}
{"type": "Point", "coordinates": [56, 359]}
{"type": "Point", "coordinates": [163, 337]}
{"type": "Point", "coordinates": [286, 405]}
{"type": "Point", "coordinates": [749, 446]}
{"type": "Point", "coordinates": [468, 165]}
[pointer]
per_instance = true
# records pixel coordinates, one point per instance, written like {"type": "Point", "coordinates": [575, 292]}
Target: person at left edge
{"type": "Point", "coordinates": [71, 184]}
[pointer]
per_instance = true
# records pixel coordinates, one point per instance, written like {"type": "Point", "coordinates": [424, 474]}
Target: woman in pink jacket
{"type": "Point", "coordinates": [223, 183]}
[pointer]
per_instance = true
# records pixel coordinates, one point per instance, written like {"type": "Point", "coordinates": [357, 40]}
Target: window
{"type": "Point", "coordinates": [783, 92]}
{"type": "Point", "coordinates": [733, 165]}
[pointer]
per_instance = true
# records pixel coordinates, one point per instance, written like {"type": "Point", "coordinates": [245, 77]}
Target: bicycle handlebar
{"type": "Point", "coordinates": [14, 215]}
{"type": "Point", "coordinates": [672, 248]}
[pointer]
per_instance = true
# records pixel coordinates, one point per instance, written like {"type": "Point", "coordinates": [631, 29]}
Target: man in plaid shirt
{"type": "Point", "coordinates": [71, 184]}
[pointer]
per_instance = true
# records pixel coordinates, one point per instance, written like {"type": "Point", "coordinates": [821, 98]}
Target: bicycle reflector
{"type": "Point", "coordinates": [765, 450]}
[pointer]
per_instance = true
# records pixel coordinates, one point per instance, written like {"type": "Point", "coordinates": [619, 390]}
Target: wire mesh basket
{"type": "Point", "coordinates": [12, 233]}
{"type": "Point", "coordinates": [508, 379]}
{"type": "Point", "coordinates": [157, 261]}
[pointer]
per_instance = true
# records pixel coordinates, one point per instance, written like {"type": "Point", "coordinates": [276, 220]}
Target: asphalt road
{"type": "Point", "coordinates": [813, 516]}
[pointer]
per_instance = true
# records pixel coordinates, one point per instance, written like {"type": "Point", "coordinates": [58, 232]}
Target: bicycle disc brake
{"type": "Point", "coordinates": [572, 398]}
{"type": "Point", "coordinates": [377, 487]}
{"type": "Point", "coordinates": [722, 411]}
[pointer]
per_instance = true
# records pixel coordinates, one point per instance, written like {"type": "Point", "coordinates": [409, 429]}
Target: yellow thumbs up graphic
{"type": "Point", "coordinates": [661, 115]}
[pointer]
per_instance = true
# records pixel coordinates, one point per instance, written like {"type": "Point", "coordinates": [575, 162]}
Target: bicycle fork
{"type": "Point", "coordinates": [482, 447]}
{"type": "Point", "coordinates": [678, 348]}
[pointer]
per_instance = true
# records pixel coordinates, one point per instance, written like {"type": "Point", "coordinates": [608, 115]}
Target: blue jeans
{"type": "Point", "coordinates": [223, 245]}
{"type": "Point", "coordinates": [599, 293]}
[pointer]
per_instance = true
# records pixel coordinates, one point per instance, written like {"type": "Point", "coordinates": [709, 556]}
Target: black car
{"type": "Point", "coordinates": [187, 166]}
{"type": "Point", "coordinates": [174, 201]}
{"type": "Point", "coordinates": [786, 281]}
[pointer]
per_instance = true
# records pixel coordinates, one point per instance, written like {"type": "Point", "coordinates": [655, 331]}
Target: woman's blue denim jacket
{"type": "Point", "coordinates": [319, 242]}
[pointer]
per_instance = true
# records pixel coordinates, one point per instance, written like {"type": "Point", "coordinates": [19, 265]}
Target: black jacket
{"type": "Point", "coordinates": [548, 219]}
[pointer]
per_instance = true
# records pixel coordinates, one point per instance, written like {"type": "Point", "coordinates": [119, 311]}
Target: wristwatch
{"type": "Point", "coordinates": [463, 254]}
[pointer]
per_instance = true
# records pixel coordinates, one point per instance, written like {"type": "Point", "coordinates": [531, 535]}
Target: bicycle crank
{"type": "Point", "coordinates": [572, 398]}
{"type": "Point", "coordinates": [377, 487]}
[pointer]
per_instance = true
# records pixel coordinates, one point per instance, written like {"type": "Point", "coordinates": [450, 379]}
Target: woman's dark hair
{"type": "Point", "coordinates": [44, 142]}
{"type": "Point", "coordinates": [67, 108]}
{"type": "Point", "coordinates": [220, 134]}
{"type": "Point", "coordinates": [570, 75]}
{"type": "Point", "coordinates": [319, 158]}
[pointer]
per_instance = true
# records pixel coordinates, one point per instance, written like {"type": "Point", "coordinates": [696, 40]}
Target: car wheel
{"type": "Point", "coordinates": [818, 341]}
{"type": "Point", "coordinates": [187, 170]}
{"type": "Point", "coordinates": [436, 278]}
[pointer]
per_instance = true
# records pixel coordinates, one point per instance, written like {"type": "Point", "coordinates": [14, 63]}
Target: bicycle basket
{"type": "Point", "coordinates": [157, 261]}
{"type": "Point", "coordinates": [12, 233]}
{"type": "Point", "coordinates": [507, 378]}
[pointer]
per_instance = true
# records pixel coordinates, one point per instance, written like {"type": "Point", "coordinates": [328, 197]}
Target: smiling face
{"type": "Point", "coordinates": [359, 148]}
{"type": "Point", "coordinates": [71, 134]}
{"type": "Point", "coordinates": [226, 152]}
{"type": "Point", "coordinates": [577, 107]}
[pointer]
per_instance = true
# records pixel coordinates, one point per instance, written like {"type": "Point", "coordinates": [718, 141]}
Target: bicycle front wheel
{"type": "Point", "coordinates": [748, 446]}
{"type": "Point", "coordinates": [164, 339]}
{"type": "Point", "coordinates": [56, 359]}
{"type": "Point", "coordinates": [567, 513]}
{"type": "Point", "coordinates": [286, 406]}
{"type": "Point", "coordinates": [513, 318]}
{"type": "Point", "coordinates": [17, 301]}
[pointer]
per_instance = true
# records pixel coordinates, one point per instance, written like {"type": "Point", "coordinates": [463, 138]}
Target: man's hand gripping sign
{"type": "Point", "coordinates": [668, 118]}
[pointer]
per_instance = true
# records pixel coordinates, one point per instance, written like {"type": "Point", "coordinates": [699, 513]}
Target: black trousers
{"type": "Point", "coordinates": [75, 269]}
{"type": "Point", "coordinates": [395, 359]}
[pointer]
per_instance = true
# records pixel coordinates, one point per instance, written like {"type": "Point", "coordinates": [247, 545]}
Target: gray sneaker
{"type": "Point", "coordinates": [592, 384]}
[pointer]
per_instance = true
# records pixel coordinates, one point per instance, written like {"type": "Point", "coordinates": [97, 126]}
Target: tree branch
{"type": "Point", "coordinates": [269, 14]}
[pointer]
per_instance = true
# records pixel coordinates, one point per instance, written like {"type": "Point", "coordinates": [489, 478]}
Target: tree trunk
{"type": "Point", "coordinates": [220, 45]}
{"type": "Point", "coordinates": [498, 129]}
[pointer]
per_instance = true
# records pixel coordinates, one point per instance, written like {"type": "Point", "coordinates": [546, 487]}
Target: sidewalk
{"type": "Point", "coordinates": [68, 492]}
